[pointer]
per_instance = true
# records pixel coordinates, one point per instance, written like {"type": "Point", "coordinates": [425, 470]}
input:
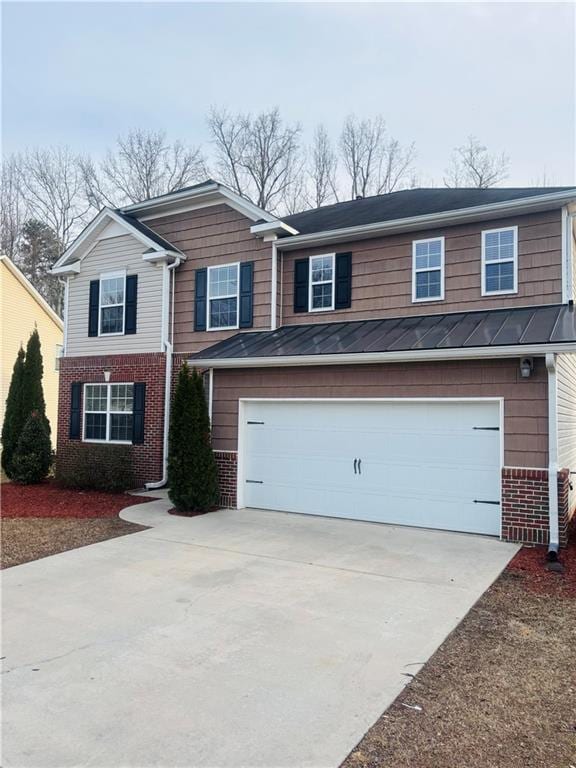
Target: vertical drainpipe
{"type": "Point", "coordinates": [554, 544]}
{"type": "Point", "coordinates": [168, 274]}
{"type": "Point", "coordinates": [274, 287]}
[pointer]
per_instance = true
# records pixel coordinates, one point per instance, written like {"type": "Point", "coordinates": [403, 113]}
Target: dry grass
{"type": "Point", "coordinates": [30, 538]}
{"type": "Point", "coordinates": [499, 693]}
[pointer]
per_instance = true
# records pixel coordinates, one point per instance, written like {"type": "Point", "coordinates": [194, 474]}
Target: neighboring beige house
{"type": "Point", "coordinates": [23, 308]}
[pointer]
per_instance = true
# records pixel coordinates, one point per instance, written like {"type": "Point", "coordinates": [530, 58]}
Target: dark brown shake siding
{"type": "Point", "coordinates": [382, 271]}
{"type": "Point", "coordinates": [209, 237]}
{"type": "Point", "coordinates": [525, 407]}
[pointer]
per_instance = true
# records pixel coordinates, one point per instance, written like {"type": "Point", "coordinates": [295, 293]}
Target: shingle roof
{"type": "Point", "coordinates": [405, 204]}
{"type": "Point", "coordinates": [154, 236]}
{"type": "Point", "coordinates": [501, 327]}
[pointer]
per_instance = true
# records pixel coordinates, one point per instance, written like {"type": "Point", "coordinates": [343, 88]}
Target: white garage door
{"type": "Point", "coordinates": [424, 463]}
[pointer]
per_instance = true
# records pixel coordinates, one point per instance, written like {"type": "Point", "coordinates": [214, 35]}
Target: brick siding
{"type": "Point", "coordinates": [525, 505]}
{"type": "Point", "coordinates": [227, 462]}
{"type": "Point", "coordinates": [148, 368]}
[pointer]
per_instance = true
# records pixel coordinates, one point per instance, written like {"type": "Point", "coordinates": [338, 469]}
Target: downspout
{"type": "Point", "coordinates": [167, 337]}
{"type": "Point", "coordinates": [554, 542]}
{"type": "Point", "coordinates": [274, 288]}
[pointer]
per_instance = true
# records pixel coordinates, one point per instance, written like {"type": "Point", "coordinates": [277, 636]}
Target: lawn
{"type": "Point", "coordinates": [41, 520]}
{"type": "Point", "coordinates": [501, 690]}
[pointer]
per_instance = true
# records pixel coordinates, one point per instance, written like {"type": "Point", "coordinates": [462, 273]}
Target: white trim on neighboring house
{"type": "Point", "coordinates": [228, 296]}
{"type": "Point", "coordinates": [448, 218]}
{"type": "Point", "coordinates": [241, 424]}
{"type": "Point", "coordinates": [486, 261]}
{"type": "Point", "coordinates": [416, 270]}
{"type": "Point", "coordinates": [311, 283]}
{"type": "Point", "coordinates": [359, 358]}
{"type": "Point", "coordinates": [38, 298]}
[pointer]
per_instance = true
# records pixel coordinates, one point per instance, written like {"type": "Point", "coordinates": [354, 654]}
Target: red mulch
{"type": "Point", "coordinates": [48, 500]}
{"type": "Point", "coordinates": [530, 566]}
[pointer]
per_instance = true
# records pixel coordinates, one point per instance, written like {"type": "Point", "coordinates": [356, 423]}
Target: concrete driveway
{"type": "Point", "coordinates": [235, 639]}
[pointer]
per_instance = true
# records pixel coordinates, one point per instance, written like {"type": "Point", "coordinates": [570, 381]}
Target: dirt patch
{"type": "Point", "coordinates": [26, 539]}
{"type": "Point", "coordinates": [500, 692]}
{"type": "Point", "coordinates": [48, 500]}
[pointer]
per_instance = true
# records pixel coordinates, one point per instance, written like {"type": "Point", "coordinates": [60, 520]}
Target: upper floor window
{"type": "Point", "coordinates": [428, 269]}
{"type": "Point", "coordinates": [108, 412]}
{"type": "Point", "coordinates": [223, 287]}
{"type": "Point", "coordinates": [112, 302]}
{"type": "Point", "coordinates": [321, 283]}
{"type": "Point", "coordinates": [500, 261]}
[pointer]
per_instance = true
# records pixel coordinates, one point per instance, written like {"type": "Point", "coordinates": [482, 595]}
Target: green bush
{"type": "Point", "coordinates": [33, 456]}
{"type": "Point", "coordinates": [98, 468]}
{"type": "Point", "coordinates": [14, 417]}
{"type": "Point", "coordinates": [192, 470]}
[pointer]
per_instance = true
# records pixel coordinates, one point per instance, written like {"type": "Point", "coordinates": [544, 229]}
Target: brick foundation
{"type": "Point", "coordinates": [227, 462]}
{"type": "Point", "coordinates": [525, 505]}
{"type": "Point", "coordinates": [149, 368]}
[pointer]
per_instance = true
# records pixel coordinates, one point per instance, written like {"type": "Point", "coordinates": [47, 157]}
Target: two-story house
{"type": "Point", "coordinates": [408, 358]}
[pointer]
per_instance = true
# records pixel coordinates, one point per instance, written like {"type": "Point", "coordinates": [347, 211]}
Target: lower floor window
{"type": "Point", "coordinates": [108, 412]}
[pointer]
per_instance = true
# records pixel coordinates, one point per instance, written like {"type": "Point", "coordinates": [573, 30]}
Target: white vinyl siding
{"type": "Point", "coordinates": [113, 254]}
{"type": "Point", "coordinates": [566, 378]}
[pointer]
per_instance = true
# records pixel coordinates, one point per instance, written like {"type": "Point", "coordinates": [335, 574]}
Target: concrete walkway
{"type": "Point", "coordinates": [232, 640]}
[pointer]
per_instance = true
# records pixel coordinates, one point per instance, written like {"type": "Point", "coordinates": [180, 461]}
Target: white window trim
{"type": "Point", "coordinates": [109, 412]}
{"type": "Point", "coordinates": [514, 260]}
{"type": "Point", "coordinates": [415, 300]}
{"type": "Point", "coordinates": [111, 276]}
{"type": "Point", "coordinates": [322, 282]}
{"type": "Point", "coordinates": [229, 296]}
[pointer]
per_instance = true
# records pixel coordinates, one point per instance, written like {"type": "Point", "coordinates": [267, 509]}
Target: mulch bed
{"type": "Point", "coordinates": [501, 690]}
{"type": "Point", "coordinates": [49, 500]}
{"type": "Point", "coordinates": [41, 520]}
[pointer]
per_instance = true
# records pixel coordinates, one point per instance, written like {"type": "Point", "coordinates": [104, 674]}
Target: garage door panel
{"type": "Point", "coordinates": [431, 464]}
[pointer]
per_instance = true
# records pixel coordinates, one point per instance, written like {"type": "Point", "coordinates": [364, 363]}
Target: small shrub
{"type": "Point", "coordinates": [33, 456]}
{"type": "Point", "coordinates": [98, 468]}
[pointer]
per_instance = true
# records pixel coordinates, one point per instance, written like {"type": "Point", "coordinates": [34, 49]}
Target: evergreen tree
{"type": "Point", "coordinates": [13, 415]}
{"type": "Point", "coordinates": [33, 457]}
{"type": "Point", "coordinates": [192, 470]}
{"type": "Point", "coordinates": [38, 248]}
{"type": "Point", "coordinates": [33, 394]}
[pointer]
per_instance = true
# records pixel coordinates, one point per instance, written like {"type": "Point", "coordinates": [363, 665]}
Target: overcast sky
{"type": "Point", "coordinates": [82, 73]}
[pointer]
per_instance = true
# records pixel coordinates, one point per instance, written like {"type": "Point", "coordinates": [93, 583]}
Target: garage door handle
{"type": "Point", "coordinates": [484, 501]}
{"type": "Point", "coordinates": [359, 466]}
{"type": "Point", "coordinates": [355, 463]}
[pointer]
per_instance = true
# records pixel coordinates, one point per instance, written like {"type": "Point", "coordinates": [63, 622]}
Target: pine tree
{"type": "Point", "coordinates": [13, 415]}
{"type": "Point", "coordinates": [33, 394]}
{"type": "Point", "coordinates": [33, 457]}
{"type": "Point", "coordinates": [192, 470]}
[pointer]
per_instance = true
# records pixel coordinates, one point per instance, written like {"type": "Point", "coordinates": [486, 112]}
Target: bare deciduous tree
{"type": "Point", "coordinates": [256, 156]}
{"type": "Point", "coordinates": [472, 165]}
{"type": "Point", "coordinates": [51, 182]}
{"type": "Point", "coordinates": [323, 168]}
{"type": "Point", "coordinates": [12, 206]}
{"type": "Point", "coordinates": [141, 166]}
{"type": "Point", "coordinates": [374, 163]}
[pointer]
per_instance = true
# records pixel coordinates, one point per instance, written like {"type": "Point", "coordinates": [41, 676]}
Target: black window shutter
{"type": "Point", "coordinates": [301, 270]}
{"type": "Point", "coordinates": [200, 299]}
{"type": "Point", "coordinates": [343, 283]}
{"type": "Point", "coordinates": [131, 303]}
{"type": "Point", "coordinates": [93, 308]}
{"type": "Point", "coordinates": [75, 412]}
{"type": "Point", "coordinates": [246, 294]}
{"type": "Point", "coordinates": [138, 408]}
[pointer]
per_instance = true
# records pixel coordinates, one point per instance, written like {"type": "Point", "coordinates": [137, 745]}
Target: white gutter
{"type": "Point", "coordinates": [518, 350]}
{"type": "Point", "coordinates": [460, 215]}
{"type": "Point", "coordinates": [274, 287]}
{"type": "Point", "coordinates": [167, 313]}
{"type": "Point", "coordinates": [554, 542]}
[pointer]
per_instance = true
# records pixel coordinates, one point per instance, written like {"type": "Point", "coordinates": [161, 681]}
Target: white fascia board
{"type": "Point", "coordinates": [458, 216]}
{"type": "Point", "coordinates": [68, 269]}
{"type": "Point", "coordinates": [362, 358]}
{"type": "Point", "coordinates": [87, 238]}
{"type": "Point", "coordinates": [215, 192]}
{"type": "Point", "coordinates": [164, 255]}
{"type": "Point", "coordinates": [273, 228]}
